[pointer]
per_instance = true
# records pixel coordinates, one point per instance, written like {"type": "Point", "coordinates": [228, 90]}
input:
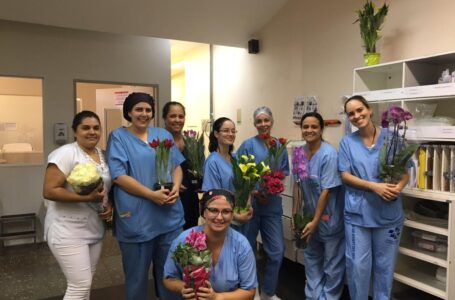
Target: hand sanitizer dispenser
{"type": "Point", "coordinates": [60, 133]}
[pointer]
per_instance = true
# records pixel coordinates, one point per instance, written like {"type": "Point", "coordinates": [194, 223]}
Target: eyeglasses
{"type": "Point", "coordinates": [214, 212]}
{"type": "Point", "coordinates": [226, 131]}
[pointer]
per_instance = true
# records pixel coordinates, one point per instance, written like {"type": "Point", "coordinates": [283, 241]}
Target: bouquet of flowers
{"type": "Point", "coordinates": [276, 148]}
{"type": "Point", "coordinates": [162, 165]}
{"type": "Point", "coordinates": [195, 260]}
{"type": "Point", "coordinates": [300, 171]}
{"type": "Point", "coordinates": [194, 153]}
{"type": "Point", "coordinates": [272, 182]}
{"type": "Point", "coordinates": [395, 153]}
{"type": "Point", "coordinates": [84, 178]}
{"type": "Point", "coordinates": [246, 174]}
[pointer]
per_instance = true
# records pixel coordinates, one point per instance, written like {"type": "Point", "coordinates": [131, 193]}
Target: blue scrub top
{"type": "Point", "coordinates": [255, 146]}
{"type": "Point", "coordinates": [323, 174]}
{"type": "Point", "coordinates": [218, 173]}
{"type": "Point", "coordinates": [364, 207]}
{"type": "Point", "coordinates": [138, 219]}
{"type": "Point", "coordinates": [236, 266]}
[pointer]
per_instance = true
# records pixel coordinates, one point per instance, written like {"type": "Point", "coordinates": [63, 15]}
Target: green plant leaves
{"type": "Point", "coordinates": [370, 22]}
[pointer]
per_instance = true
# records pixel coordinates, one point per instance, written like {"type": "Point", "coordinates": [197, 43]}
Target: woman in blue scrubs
{"type": "Point", "coordinates": [373, 209]}
{"type": "Point", "coordinates": [322, 196]}
{"type": "Point", "coordinates": [146, 221]}
{"type": "Point", "coordinates": [218, 173]}
{"type": "Point", "coordinates": [268, 210]}
{"type": "Point", "coordinates": [233, 272]}
{"type": "Point", "coordinates": [174, 120]}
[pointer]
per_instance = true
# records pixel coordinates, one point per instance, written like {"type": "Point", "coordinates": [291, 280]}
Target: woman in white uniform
{"type": "Point", "coordinates": [73, 228]}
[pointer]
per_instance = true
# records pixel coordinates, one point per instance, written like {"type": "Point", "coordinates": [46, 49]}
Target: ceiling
{"type": "Point", "coordinates": [221, 22]}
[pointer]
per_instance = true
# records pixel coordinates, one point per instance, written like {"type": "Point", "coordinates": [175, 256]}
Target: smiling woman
{"type": "Point", "coordinates": [73, 228]}
{"type": "Point", "coordinates": [233, 267]}
{"type": "Point", "coordinates": [146, 220]}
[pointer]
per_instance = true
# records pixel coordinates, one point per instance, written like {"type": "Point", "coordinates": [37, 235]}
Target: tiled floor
{"type": "Point", "coordinates": [31, 272]}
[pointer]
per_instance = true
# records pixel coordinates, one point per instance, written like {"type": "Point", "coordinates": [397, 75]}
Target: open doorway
{"type": "Point", "coordinates": [190, 82]}
{"type": "Point", "coordinates": [106, 99]}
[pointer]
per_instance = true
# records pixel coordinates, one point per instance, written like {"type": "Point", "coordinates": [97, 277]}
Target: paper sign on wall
{"type": "Point", "coordinates": [302, 105]}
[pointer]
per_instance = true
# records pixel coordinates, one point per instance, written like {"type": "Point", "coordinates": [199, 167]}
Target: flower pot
{"type": "Point", "coordinates": [167, 185]}
{"type": "Point", "coordinates": [371, 59]}
{"type": "Point", "coordinates": [195, 183]}
{"type": "Point", "coordinates": [298, 242]}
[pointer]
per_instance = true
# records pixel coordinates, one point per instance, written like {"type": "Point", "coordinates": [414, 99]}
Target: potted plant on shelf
{"type": "Point", "coordinates": [371, 20]}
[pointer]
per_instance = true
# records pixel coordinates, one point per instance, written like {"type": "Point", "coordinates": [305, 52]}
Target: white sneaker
{"type": "Point", "coordinates": [267, 297]}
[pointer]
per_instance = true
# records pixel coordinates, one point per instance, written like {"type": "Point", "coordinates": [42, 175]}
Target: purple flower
{"type": "Point", "coordinates": [299, 162]}
{"type": "Point", "coordinates": [190, 133]}
{"type": "Point", "coordinates": [396, 114]}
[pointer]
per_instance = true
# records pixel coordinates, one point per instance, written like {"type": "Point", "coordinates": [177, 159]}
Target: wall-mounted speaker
{"type": "Point", "coordinates": [253, 46]}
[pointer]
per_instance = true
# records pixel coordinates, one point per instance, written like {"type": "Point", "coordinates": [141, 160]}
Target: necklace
{"type": "Point", "coordinates": [374, 136]}
{"type": "Point", "coordinates": [101, 166]}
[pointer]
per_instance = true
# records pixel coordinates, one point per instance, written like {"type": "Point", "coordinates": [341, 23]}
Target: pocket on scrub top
{"type": "Point", "coordinates": [354, 202]}
{"type": "Point", "coordinates": [390, 210]}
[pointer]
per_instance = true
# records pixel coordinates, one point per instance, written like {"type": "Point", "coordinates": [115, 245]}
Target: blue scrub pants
{"type": "Point", "coordinates": [324, 267]}
{"type": "Point", "coordinates": [371, 251]}
{"type": "Point", "coordinates": [271, 227]}
{"type": "Point", "coordinates": [136, 259]}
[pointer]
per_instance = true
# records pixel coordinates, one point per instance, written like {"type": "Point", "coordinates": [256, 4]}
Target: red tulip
{"type": "Point", "coordinates": [168, 143]}
{"type": "Point", "coordinates": [154, 143]}
{"type": "Point", "coordinates": [264, 136]}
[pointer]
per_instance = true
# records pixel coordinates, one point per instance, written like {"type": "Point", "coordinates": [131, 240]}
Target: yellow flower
{"type": "Point", "coordinates": [252, 157]}
{"type": "Point", "coordinates": [265, 168]}
{"type": "Point", "coordinates": [244, 157]}
{"type": "Point", "coordinates": [244, 168]}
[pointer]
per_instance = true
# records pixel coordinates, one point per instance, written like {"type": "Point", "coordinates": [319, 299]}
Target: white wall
{"type": "Point", "coordinates": [311, 48]}
{"type": "Point", "coordinates": [60, 56]}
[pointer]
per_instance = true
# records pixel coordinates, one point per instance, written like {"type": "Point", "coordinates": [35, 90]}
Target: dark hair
{"type": "Point", "coordinates": [314, 115]}
{"type": "Point", "coordinates": [213, 141]}
{"type": "Point", "coordinates": [358, 98]}
{"type": "Point", "coordinates": [213, 193]}
{"type": "Point", "coordinates": [135, 98]}
{"type": "Point", "coordinates": [79, 117]}
{"type": "Point", "coordinates": [167, 108]}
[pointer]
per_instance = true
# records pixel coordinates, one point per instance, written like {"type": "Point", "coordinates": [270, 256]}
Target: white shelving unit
{"type": "Point", "coordinates": [409, 83]}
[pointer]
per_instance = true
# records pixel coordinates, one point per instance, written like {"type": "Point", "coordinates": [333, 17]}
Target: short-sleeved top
{"type": "Point", "coordinates": [138, 219]}
{"type": "Point", "coordinates": [323, 174]}
{"type": "Point", "coordinates": [218, 173]}
{"type": "Point", "coordinates": [364, 207]}
{"type": "Point", "coordinates": [236, 266]}
{"type": "Point", "coordinates": [255, 146]}
{"type": "Point", "coordinates": [74, 222]}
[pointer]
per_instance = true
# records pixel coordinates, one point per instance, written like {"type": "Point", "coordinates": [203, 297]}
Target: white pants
{"type": "Point", "coordinates": [78, 263]}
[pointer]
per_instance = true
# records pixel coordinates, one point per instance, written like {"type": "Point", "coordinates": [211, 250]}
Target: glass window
{"type": "Point", "coordinates": [21, 121]}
